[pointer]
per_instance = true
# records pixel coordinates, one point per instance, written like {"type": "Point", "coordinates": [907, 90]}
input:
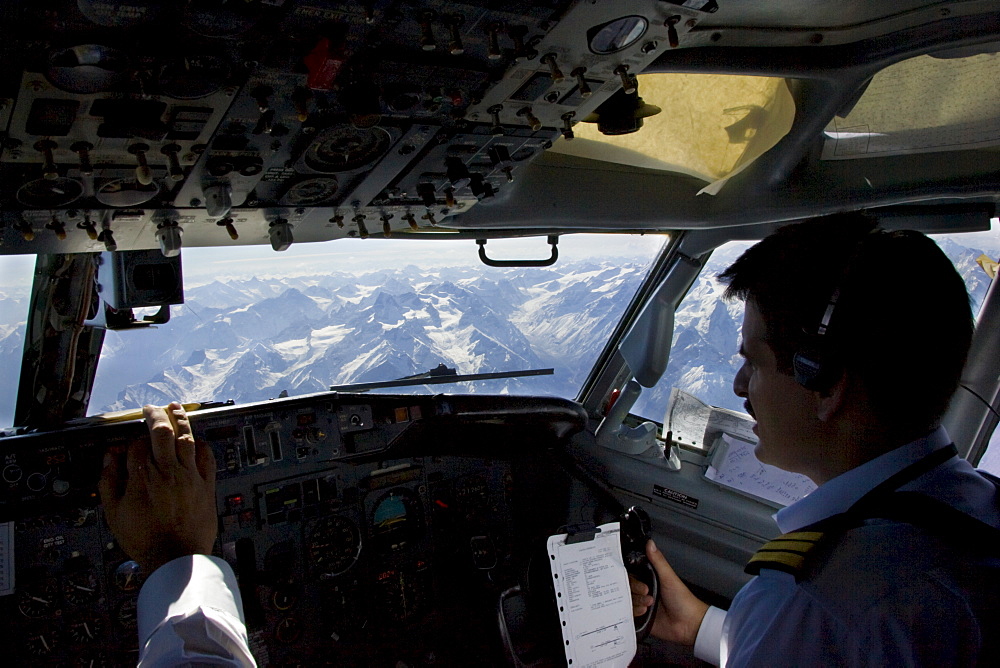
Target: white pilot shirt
{"type": "Point", "coordinates": [876, 605]}
{"type": "Point", "coordinates": [190, 614]}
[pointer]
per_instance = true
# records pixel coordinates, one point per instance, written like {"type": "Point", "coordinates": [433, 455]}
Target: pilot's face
{"type": "Point", "coordinates": [784, 410]}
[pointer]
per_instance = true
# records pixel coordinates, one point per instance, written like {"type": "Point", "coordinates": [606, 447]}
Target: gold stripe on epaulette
{"type": "Point", "coordinates": [786, 553]}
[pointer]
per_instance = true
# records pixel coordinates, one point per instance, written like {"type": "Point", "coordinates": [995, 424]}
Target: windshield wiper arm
{"type": "Point", "coordinates": [437, 377]}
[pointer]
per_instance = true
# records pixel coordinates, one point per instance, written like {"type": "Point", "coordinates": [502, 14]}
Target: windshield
{"type": "Point", "coordinates": [257, 324]}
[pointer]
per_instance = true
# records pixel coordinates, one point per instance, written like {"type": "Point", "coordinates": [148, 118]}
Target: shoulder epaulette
{"type": "Point", "coordinates": [788, 552]}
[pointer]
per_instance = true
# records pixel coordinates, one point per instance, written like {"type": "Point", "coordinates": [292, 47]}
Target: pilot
{"type": "Point", "coordinates": [854, 339]}
{"type": "Point", "coordinates": [159, 500]}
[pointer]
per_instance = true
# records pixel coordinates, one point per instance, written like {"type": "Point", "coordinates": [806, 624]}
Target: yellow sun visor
{"type": "Point", "coordinates": [711, 126]}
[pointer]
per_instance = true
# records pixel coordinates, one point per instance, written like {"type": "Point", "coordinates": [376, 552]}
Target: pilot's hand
{"type": "Point", "coordinates": [680, 613]}
{"type": "Point", "coordinates": [161, 504]}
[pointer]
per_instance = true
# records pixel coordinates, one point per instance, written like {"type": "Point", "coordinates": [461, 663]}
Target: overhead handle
{"type": "Point", "coordinates": [553, 240]}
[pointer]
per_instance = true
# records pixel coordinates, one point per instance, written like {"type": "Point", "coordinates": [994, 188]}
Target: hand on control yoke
{"type": "Point", "coordinates": [679, 616]}
{"type": "Point", "coordinates": [159, 498]}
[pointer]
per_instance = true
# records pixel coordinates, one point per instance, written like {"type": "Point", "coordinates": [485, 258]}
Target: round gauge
{"type": "Point", "coordinates": [472, 493]}
{"type": "Point", "coordinates": [283, 599]}
{"type": "Point", "coordinates": [84, 630]}
{"type": "Point", "coordinates": [80, 587]}
{"type": "Point", "coordinates": [333, 545]}
{"type": "Point", "coordinates": [310, 192]}
{"type": "Point", "coordinates": [126, 192]}
{"type": "Point", "coordinates": [345, 147]}
{"type": "Point", "coordinates": [288, 630]}
{"type": "Point", "coordinates": [49, 193]}
{"type": "Point", "coordinates": [128, 576]}
{"type": "Point", "coordinates": [41, 640]}
{"type": "Point", "coordinates": [127, 614]}
{"type": "Point", "coordinates": [87, 68]}
{"type": "Point", "coordinates": [396, 519]}
{"type": "Point", "coordinates": [616, 35]}
{"type": "Point", "coordinates": [193, 77]}
{"type": "Point", "coordinates": [94, 660]}
{"type": "Point", "coordinates": [38, 599]}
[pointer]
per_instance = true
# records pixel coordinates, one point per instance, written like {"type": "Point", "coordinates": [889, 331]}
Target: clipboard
{"type": "Point", "coordinates": [592, 596]}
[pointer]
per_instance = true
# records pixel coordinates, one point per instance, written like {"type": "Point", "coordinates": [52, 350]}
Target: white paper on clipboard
{"type": "Point", "coordinates": [593, 597]}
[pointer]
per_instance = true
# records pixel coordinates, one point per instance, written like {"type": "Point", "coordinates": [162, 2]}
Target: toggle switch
{"type": "Point", "coordinates": [556, 73]}
{"type": "Point", "coordinates": [338, 220]}
{"type": "Point", "coordinates": [227, 223]}
{"type": "Point", "coordinates": [493, 51]}
{"type": "Point", "coordinates": [386, 227]}
{"type": "Point", "coordinates": [567, 128]}
{"type": "Point", "coordinates": [530, 117]}
{"type": "Point", "coordinates": [427, 42]}
{"type": "Point", "coordinates": [494, 111]}
{"type": "Point", "coordinates": [517, 35]}
{"type": "Point", "coordinates": [88, 225]}
{"type": "Point", "coordinates": [83, 149]}
{"type": "Point", "coordinates": [412, 221]}
{"type": "Point", "coordinates": [449, 197]}
{"type": "Point", "coordinates": [426, 193]}
{"type": "Point", "coordinates": [108, 239]}
{"type": "Point", "coordinates": [500, 159]}
{"type": "Point", "coordinates": [454, 23]}
{"type": "Point", "coordinates": [359, 220]}
{"type": "Point", "coordinates": [628, 81]}
{"type": "Point", "coordinates": [429, 217]}
{"type": "Point", "coordinates": [300, 99]}
{"type": "Point", "coordinates": [581, 82]}
{"type": "Point", "coordinates": [56, 226]}
{"type": "Point", "coordinates": [174, 171]}
{"type": "Point", "coordinates": [672, 37]}
{"type": "Point", "coordinates": [143, 174]}
{"type": "Point", "coordinates": [24, 227]}
{"type": "Point", "coordinates": [262, 96]}
{"type": "Point", "coordinates": [45, 147]}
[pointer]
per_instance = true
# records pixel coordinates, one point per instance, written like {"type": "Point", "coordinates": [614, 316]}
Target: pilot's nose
{"type": "Point", "coordinates": [741, 381]}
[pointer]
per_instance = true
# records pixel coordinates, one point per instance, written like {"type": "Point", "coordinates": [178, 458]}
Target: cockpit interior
{"type": "Point", "coordinates": [386, 479]}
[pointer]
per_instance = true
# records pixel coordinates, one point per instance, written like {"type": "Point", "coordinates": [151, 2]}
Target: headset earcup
{"type": "Point", "coordinates": [808, 369]}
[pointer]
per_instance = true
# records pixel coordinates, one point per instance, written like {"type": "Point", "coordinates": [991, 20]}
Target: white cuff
{"type": "Point", "coordinates": [708, 644]}
{"type": "Point", "coordinates": [183, 585]}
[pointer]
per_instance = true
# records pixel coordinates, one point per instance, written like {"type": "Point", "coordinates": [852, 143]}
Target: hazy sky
{"type": "Point", "coordinates": [205, 264]}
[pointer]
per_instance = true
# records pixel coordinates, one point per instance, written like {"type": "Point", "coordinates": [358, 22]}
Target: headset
{"type": "Point", "coordinates": [812, 367]}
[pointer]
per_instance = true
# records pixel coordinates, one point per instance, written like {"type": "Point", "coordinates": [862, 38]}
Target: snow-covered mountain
{"type": "Point", "coordinates": [250, 340]}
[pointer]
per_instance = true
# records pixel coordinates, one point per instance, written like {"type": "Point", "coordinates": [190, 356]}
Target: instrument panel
{"type": "Point", "coordinates": [363, 529]}
{"type": "Point", "coordinates": [137, 124]}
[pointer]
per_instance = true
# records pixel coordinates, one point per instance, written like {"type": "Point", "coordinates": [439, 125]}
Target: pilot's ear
{"type": "Point", "coordinates": [830, 402]}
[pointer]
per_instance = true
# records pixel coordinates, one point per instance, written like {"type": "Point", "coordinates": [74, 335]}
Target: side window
{"type": "Point", "coordinates": [703, 355]}
{"type": "Point", "coordinates": [991, 458]}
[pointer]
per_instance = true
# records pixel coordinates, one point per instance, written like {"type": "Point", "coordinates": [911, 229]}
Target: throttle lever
{"type": "Point", "coordinates": [635, 527]}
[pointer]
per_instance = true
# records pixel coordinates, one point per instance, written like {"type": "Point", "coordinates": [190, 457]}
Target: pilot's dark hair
{"type": "Point", "coordinates": [902, 323]}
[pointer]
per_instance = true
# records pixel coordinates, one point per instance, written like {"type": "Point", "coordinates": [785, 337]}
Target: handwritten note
{"type": "Point", "coordinates": [595, 606]}
{"type": "Point", "coordinates": [691, 421]}
{"type": "Point", "coordinates": [734, 465]}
